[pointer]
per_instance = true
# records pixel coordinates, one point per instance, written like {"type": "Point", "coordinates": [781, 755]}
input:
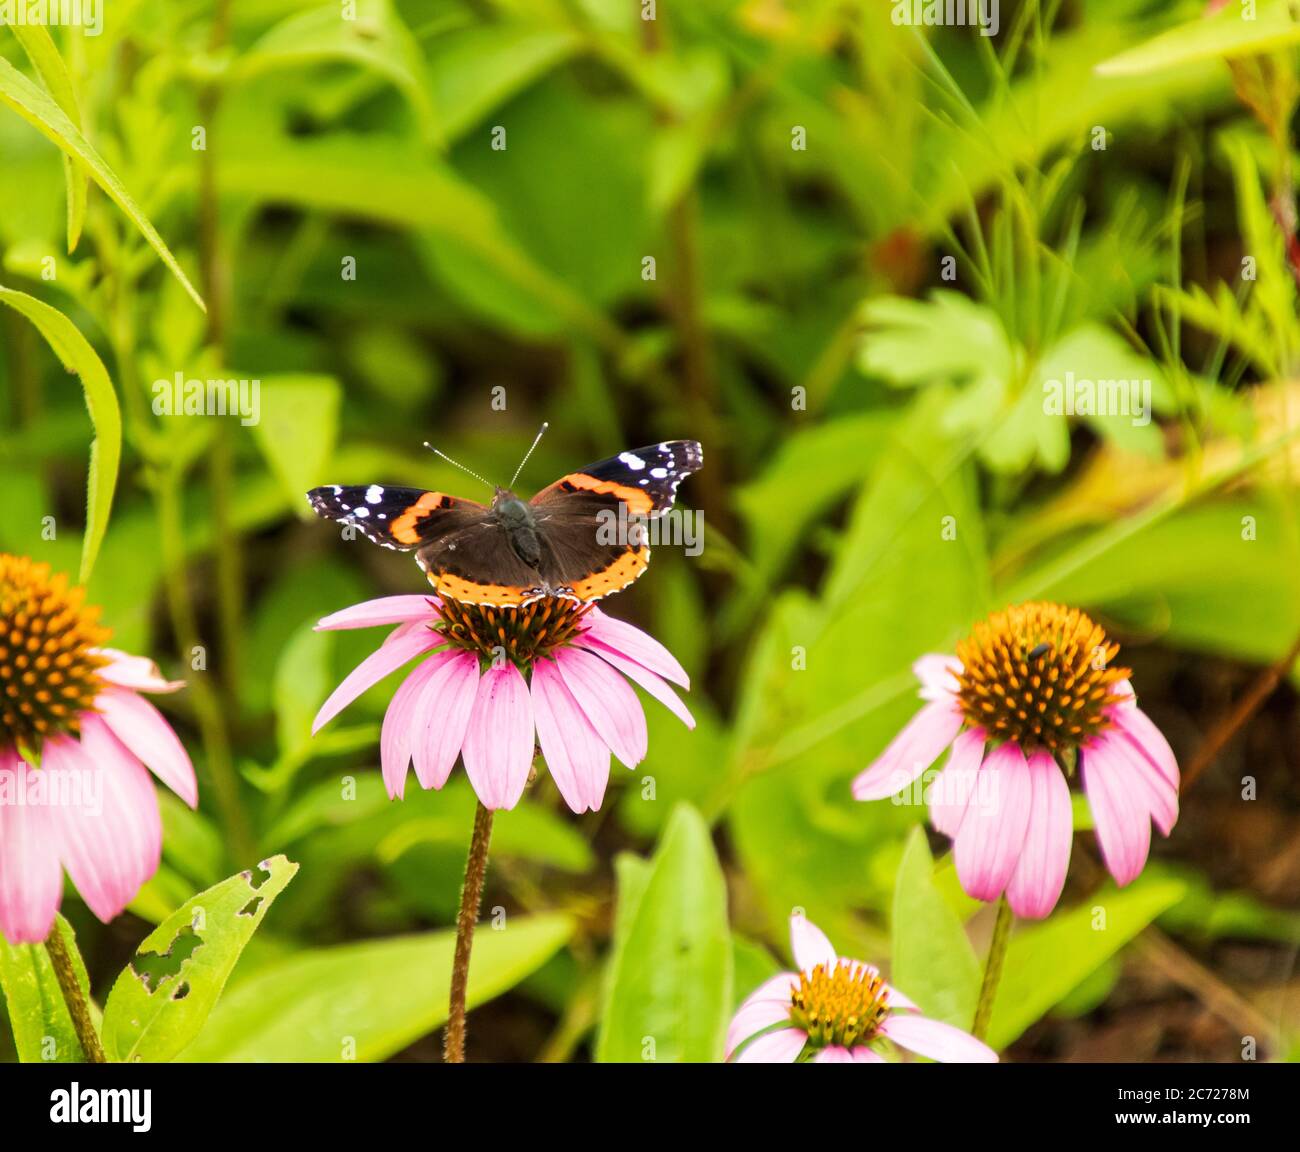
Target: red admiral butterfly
{"type": "Point", "coordinates": [516, 551]}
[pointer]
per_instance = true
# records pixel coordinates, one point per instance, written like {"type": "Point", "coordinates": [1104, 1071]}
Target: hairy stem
{"type": "Point", "coordinates": [993, 969]}
{"type": "Point", "coordinates": [470, 896]}
{"type": "Point", "coordinates": [66, 973]}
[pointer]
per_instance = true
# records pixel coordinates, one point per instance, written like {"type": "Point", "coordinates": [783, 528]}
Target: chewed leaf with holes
{"type": "Point", "coordinates": [162, 998]}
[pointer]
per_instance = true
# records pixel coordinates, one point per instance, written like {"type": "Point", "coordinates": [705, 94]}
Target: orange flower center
{"type": "Point", "coordinates": [844, 1006]}
{"type": "Point", "coordinates": [1040, 675]}
{"type": "Point", "coordinates": [49, 673]}
{"type": "Point", "coordinates": [520, 635]}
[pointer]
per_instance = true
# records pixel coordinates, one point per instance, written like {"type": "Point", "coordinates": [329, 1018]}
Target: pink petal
{"type": "Point", "coordinates": [780, 1047]}
{"type": "Point", "coordinates": [863, 1055]}
{"type": "Point", "coordinates": [382, 662]}
{"type": "Point", "coordinates": [112, 839]}
{"type": "Point", "coordinates": [647, 680]}
{"type": "Point", "coordinates": [1036, 884]}
{"type": "Point", "coordinates": [810, 945]}
{"type": "Point", "coordinates": [937, 1041]}
{"type": "Point", "coordinates": [936, 672]}
{"type": "Point", "coordinates": [763, 1007]}
{"type": "Point", "coordinates": [442, 718]}
{"type": "Point", "coordinates": [498, 747]}
{"type": "Point", "coordinates": [950, 791]}
{"type": "Point", "coordinates": [1149, 741]}
{"type": "Point", "coordinates": [31, 881]}
{"type": "Point", "coordinates": [1119, 811]}
{"type": "Point", "coordinates": [384, 610]}
{"type": "Point", "coordinates": [911, 752]}
{"type": "Point", "coordinates": [753, 1018]}
{"type": "Point", "coordinates": [631, 642]}
{"type": "Point", "coordinates": [399, 730]}
{"type": "Point", "coordinates": [578, 759]}
{"type": "Point", "coordinates": [136, 672]}
{"type": "Point", "coordinates": [1160, 797]}
{"type": "Point", "coordinates": [833, 1055]}
{"type": "Point", "coordinates": [145, 731]}
{"type": "Point", "coordinates": [608, 701]}
{"type": "Point", "coordinates": [992, 833]}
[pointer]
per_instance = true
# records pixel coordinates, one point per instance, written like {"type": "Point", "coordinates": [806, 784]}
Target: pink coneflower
{"type": "Point", "coordinates": [494, 683]}
{"type": "Point", "coordinates": [73, 706]}
{"type": "Point", "coordinates": [1031, 703]}
{"type": "Point", "coordinates": [837, 1011]}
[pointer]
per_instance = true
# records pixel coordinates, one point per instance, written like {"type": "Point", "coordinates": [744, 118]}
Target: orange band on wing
{"type": "Point", "coordinates": [471, 592]}
{"type": "Point", "coordinates": [618, 575]}
{"type": "Point", "coordinates": [638, 501]}
{"type": "Point", "coordinates": [406, 528]}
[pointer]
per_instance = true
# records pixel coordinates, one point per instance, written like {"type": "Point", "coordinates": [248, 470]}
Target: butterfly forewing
{"type": "Point", "coordinates": [400, 518]}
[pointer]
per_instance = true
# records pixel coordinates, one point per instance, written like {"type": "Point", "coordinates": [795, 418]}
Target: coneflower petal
{"type": "Point", "coordinates": [608, 701]}
{"type": "Point", "coordinates": [1039, 877]}
{"type": "Point", "coordinates": [384, 610]}
{"type": "Point", "coordinates": [382, 662]}
{"type": "Point", "coordinates": [780, 1047]}
{"type": "Point", "coordinates": [1119, 811]}
{"type": "Point", "coordinates": [993, 830]}
{"type": "Point", "coordinates": [642, 676]}
{"type": "Point", "coordinates": [145, 732]}
{"type": "Point", "coordinates": [442, 717]}
{"type": "Point", "coordinates": [498, 748]}
{"type": "Point", "coordinates": [111, 836]}
{"type": "Point", "coordinates": [576, 756]}
{"type": "Point", "coordinates": [396, 735]}
{"type": "Point", "coordinates": [937, 1040]}
{"type": "Point", "coordinates": [810, 945]}
{"type": "Point", "coordinates": [137, 672]}
{"type": "Point", "coordinates": [911, 752]}
{"type": "Point", "coordinates": [31, 880]}
{"type": "Point", "coordinates": [950, 791]}
{"type": "Point", "coordinates": [630, 641]}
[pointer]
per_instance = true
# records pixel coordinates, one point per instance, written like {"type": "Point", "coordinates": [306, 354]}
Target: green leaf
{"type": "Point", "coordinates": [1049, 961]}
{"type": "Point", "coordinates": [376, 39]}
{"type": "Point", "coordinates": [76, 355]}
{"type": "Point", "coordinates": [296, 433]}
{"type": "Point", "coordinates": [670, 973]}
{"type": "Point", "coordinates": [473, 70]}
{"type": "Point", "coordinates": [42, 1028]}
{"type": "Point", "coordinates": [933, 961]}
{"type": "Point", "coordinates": [367, 1001]}
{"type": "Point", "coordinates": [39, 109]}
{"type": "Point", "coordinates": [163, 997]}
{"type": "Point", "coordinates": [1224, 35]}
{"type": "Point", "coordinates": [45, 58]}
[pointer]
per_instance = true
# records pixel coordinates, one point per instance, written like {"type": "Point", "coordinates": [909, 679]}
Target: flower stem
{"type": "Point", "coordinates": [66, 973]}
{"type": "Point", "coordinates": [453, 1050]}
{"type": "Point", "coordinates": [993, 969]}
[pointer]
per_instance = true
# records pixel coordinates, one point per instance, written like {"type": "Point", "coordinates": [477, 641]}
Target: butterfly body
{"type": "Point", "coordinates": [580, 538]}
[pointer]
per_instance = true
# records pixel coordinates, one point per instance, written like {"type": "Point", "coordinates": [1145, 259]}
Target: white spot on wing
{"type": "Point", "coordinates": [374, 494]}
{"type": "Point", "coordinates": [632, 460]}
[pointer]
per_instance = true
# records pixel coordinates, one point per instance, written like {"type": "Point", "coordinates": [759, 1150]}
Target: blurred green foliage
{"type": "Point", "coordinates": [844, 254]}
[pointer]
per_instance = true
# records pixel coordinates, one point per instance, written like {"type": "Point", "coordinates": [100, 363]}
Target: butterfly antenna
{"type": "Point", "coordinates": [457, 464]}
{"type": "Point", "coordinates": [540, 433]}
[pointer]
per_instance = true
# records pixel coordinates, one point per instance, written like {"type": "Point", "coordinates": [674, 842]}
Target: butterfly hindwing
{"type": "Point", "coordinates": [399, 518]}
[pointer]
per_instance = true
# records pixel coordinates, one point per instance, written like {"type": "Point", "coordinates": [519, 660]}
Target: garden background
{"type": "Point", "coordinates": [733, 222]}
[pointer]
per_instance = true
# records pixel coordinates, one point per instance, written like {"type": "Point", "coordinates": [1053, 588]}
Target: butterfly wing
{"type": "Point", "coordinates": [644, 479]}
{"type": "Point", "coordinates": [592, 521]}
{"type": "Point", "coordinates": [476, 565]}
{"type": "Point", "coordinates": [399, 518]}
